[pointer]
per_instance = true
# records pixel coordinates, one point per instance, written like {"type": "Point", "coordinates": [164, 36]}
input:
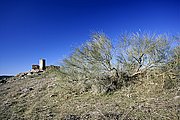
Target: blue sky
{"type": "Point", "coordinates": [50, 29]}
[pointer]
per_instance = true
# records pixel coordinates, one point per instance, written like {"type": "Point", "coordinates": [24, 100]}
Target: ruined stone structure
{"type": "Point", "coordinates": [40, 67]}
{"type": "Point", "coordinates": [35, 70]}
{"type": "Point", "coordinates": [42, 64]}
{"type": "Point", "coordinates": [35, 67]}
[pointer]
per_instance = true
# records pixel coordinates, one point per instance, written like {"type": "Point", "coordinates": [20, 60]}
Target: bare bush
{"type": "Point", "coordinates": [91, 59]}
{"type": "Point", "coordinates": [137, 53]}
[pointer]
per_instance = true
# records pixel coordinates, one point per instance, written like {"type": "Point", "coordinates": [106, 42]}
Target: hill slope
{"type": "Point", "coordinates": [47, 97]}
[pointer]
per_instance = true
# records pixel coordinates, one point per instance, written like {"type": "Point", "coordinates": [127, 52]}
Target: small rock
{"type": "Point", "coordinates": [177, 98]}
{"type": "Point", "coordinates": [31, 89]}
{"type": "Point", "coordinates": [51, 85]}
{"type": "Point", "coordinates": [29, 73]}
{"type": "Point", "coordinates": [50, 114]}
{"type": "Point", "coordinates": [25, 90]}
{"type": "Point", "coordinates": [86, 117]}
{"type": "Point", "coordinates": [53, 95]}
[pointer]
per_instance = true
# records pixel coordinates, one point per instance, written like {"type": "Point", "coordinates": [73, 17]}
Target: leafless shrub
{"type": "Point", "coordinates": [137, 54]}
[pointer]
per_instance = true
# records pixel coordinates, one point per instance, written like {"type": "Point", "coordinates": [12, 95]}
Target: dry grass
{"type": "Point", "coordinates": [49, 97]}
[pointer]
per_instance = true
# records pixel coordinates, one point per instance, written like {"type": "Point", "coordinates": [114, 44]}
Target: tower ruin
{"type": "Point", "coordinates": [42, 64]}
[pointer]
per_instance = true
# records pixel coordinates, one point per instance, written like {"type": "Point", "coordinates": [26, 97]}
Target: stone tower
{"type": "Point", "coordinates": [42, 64]}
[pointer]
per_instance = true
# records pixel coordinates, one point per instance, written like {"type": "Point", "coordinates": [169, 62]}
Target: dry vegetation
{"type": "Point", "coordinates": [142, 84]}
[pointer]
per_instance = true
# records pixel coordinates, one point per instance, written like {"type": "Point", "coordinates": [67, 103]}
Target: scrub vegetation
{"type": "Point", "coordinates": [135, 79]}
{"type": "Point", "coordinates": [107, 67]}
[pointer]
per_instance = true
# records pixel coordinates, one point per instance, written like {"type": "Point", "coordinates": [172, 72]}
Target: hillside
{"type": "Point", "coordinates": [139, 82]}
{"type": "Point", "coordinates": [47, 96]}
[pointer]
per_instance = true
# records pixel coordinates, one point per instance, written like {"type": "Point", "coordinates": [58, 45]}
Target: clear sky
{"type": "Point", "coordinates": [34, 29]}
